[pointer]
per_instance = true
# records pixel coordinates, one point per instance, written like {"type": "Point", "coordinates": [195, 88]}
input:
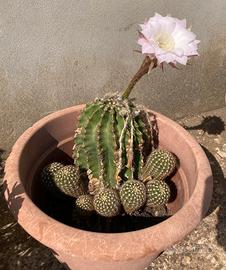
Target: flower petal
{"type": "Point", "coordinates": [167, 39]}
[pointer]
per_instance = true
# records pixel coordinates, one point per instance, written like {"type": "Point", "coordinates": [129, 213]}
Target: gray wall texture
{"type": "Point", "coordinates": [57, 53]}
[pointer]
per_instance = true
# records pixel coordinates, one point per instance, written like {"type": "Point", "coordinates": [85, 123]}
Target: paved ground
{"type": "Point", "coordinates": [204, 248]}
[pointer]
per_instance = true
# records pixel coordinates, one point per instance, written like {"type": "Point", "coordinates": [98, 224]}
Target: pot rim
{"type": "Point", "coordinates": [109, 246]}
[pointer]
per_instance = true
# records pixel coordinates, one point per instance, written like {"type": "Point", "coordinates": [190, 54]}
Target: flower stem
{"type": "Point", "coordinates": [144, 68]}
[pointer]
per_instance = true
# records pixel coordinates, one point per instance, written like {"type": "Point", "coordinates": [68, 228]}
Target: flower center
{"type": "Point", "coordinates": [165, 41]}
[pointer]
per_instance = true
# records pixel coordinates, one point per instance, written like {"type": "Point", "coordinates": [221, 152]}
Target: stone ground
{"type": "Point", "coordinates": [204, 248]}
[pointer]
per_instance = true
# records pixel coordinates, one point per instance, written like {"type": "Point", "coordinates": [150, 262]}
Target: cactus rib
{"type": "Point", "coordinates": [107, 148]}
{"type": "Point", "coordinates": [81, 157]}
{"type": "Point", "coordinates": [90, 145]}
{"type": "Point", "coordinates": [122, 149]}
{"type": "Point", "coordinates": [138, 146]}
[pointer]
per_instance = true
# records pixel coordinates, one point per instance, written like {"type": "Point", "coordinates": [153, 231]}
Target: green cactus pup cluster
{"type": "Point", "coordinates": [112, 144]}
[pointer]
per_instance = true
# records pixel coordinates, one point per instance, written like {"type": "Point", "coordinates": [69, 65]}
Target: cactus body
{"type": "Point", "coordinates": [67, 179]}
{"type": "Point", "coordinates": [133, 195]}
{"type": "Point", "coordinates": [159, 165]}
{"type": "Point", "coordinates": [109, 140]}
{"type": "Point", "coordinates": [158, 193]}
{"type": "Point", "coordinates": [107, 203]}
{"type": "Point", "coordinates": [48, 175]}
{"type": "Point", "coordinates": [85, 204]}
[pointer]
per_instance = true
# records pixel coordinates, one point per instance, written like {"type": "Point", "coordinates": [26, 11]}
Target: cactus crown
{"type": "Point", "coordinates": [109, 140]}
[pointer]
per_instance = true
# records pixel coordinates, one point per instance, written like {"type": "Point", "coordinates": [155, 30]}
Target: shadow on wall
{"type": "Point", "coordinates": [219, 198]}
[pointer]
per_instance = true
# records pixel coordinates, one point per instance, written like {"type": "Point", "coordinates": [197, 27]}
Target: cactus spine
{"type": "Point", "coordinates": [109, 140]}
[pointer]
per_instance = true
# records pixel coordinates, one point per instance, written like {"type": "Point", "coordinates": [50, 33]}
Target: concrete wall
{"type": "Point", "coordinates": [56, 53]}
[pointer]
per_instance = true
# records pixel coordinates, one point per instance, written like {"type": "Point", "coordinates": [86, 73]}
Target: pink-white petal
{"type": "Point", "coordinates": [167, 40]}
{"type": "Point", "coordinates": [182, 60]}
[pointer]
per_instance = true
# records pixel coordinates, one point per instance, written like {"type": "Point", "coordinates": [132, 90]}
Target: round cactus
{"type": "Point", "coordinates": [107, 203]}
{"type": "Point", "coordinates": [159, 165]}
{"type": "Point", "coordinates": [158, 193]}
{"type": "Point", "coordinates": [67, 179]}
{"type": "Point", "coordinates": [48, 175]}
{"type": "Point", "coordinates": [84, 204]}
{"type": "Point", "coordinates": [110, 139]}
{"type": "Point", "coordinates": [132, 195]}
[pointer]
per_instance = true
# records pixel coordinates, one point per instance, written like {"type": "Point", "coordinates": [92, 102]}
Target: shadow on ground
{"type": "Point", "coordinates": [18, 250]}
{"type": "Point", "coordinates": [213, 125]}
{"type": "Point", "coordinates": [219, 198]}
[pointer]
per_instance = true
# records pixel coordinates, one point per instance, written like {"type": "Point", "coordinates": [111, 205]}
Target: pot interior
{"type": "Point", "coordinates": [62, 208]}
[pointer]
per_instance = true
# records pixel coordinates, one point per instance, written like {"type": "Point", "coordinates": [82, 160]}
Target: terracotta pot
{"type": "Point", "coordinates": [85, 250]}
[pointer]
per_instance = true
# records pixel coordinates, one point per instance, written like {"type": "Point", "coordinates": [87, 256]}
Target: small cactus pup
{"type": "Point", "coordinates": [48, 176]}
{"type": "Point", "coordinates": [160, 164]}
{"type": "Point", "coordinates": [68, 180]}
{"type": "Point", "coordinates": [107, 203]}
{"type": "Point", "coordinates": [84, 204]}
{"type": "Point", "coordinates": [158, 193]}
{"type": "Point", "coordinates": [132, 195]}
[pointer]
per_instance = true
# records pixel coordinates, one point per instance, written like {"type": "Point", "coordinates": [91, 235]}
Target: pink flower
{"type": "Point", "coordinates": [168, 40]}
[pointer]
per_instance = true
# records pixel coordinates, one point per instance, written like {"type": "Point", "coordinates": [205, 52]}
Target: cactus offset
{"type": "Point", "coordinates": [84, 204]}
{"type": "Point", "coordinates": [109, 140]}
{"type": "Point", "coordinates": [67, 179]}
{"type": "Point", "coordinates": [48, 176]}
{"type": "Point", "coordinates": [107, 203]}
{"type": "Point", "coordinates": [133, 195]}
{"type": "Point", "coordinates": [158, 193]}
{"type": "Point", "coordinates": [159, 165]}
